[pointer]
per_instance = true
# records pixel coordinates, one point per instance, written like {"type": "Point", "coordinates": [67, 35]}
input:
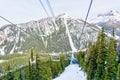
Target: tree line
{"type": "Point", "coordinates": [38, 69]}
{"type": "Point", "coordinates": [101, 61]}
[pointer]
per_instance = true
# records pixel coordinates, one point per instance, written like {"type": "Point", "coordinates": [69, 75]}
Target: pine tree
{"type": "Point", "coordinates": [38, 67]}
{"type": "Point", "coordinates": [27, 71]}
{"type": "Point", "coordinates": [62, 62]}
{"type": "Point", "coordinates": [47, 74]}
{"type": "Point", "coordinates": [81, 60]}
{"type": "Point", "coordinates": [118, 55]}
{"type": "Point", "coordinates": [115, 42]}
{"type": "Point", "coordinates": [31, 54]}
{"type": "Point", "coordinates": [31, 67]}
{"type": "Point", "coordinates": [56, 69]}
{"type": "Point", "coordinates": [21, 74]}
{"type": "Point", "coordinates": [101, 57]}
{"type": "Point", "coordinates": [111, 61]}
{"type": "Point", "coordinates": [30, 71]}
{"type": "Point", "coordinates": [10, 75]}
{"type": "Point", "coordinates": [118, 72]}
{"type": "Point", "coordinates": [48, 70]}
{"type": "Point", "coordinates": [92, 65]}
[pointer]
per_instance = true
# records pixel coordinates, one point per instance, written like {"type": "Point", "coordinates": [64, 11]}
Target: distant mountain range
{"type": "Point", "coordinates": [47, 35]}
{"type": "Point", "coordinates": [108, 21]}
{"type": "Point", "coordinates": [59, 34]}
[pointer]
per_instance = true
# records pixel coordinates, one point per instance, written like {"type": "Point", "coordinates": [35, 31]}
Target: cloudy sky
{"type": "Point", "coordinates": [19, 11]}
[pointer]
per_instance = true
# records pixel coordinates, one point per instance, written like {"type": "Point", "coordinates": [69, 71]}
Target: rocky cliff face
{"type": "Point", "coordinates": [47, 35]}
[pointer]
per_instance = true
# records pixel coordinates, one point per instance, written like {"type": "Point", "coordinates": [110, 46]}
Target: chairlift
{"type": "Point", "coordinates": [55, 57]}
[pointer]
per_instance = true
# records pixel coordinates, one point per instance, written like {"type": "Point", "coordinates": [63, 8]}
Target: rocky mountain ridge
{"type": "Point", "coordinates": [46, 35]}
{"type": "Point", "coordinates": [108, 21]}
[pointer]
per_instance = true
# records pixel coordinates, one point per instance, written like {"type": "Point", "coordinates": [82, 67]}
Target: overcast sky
{"type": "Point", "coordinates": [19, 11]}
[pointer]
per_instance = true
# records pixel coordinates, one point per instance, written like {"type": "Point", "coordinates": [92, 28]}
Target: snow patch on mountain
{"type": "Point", "coordinates": [69, 36]}
{"type": "Point", "coordinates": [109, 35]}
{"type": "Point", "coordinates": [110, 16]}
{"type": "Point", "coordinates": [58, 34]}
{"type": "Point", "coordinates": [2, 52]}
{"type": "Point", "coordinates": [108, 21]}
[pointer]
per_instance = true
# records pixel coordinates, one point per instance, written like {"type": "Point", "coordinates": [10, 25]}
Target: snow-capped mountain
{"type": "Point", "coordinates": [59, 34]}
{"type": "Point", "coordinates": [108, 21]}
{"type": "Point", "coordinates": [109, 16]}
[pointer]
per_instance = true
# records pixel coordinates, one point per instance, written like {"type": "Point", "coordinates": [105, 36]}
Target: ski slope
{"type": "Point", "coordinates": [72, 72]}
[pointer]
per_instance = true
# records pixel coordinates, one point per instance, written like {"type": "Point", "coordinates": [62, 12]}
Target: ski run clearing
{"type": "Point", "coordinates": [72, 72]}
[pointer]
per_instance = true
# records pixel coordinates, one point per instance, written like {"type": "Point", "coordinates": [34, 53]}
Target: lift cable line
{"type": "Point", "coordinates": [12, 23]}
{"type": "Point", "coordinates": [86, 18]}
{"type": "Point", "coordinates": [18, 27]}
{"type": "Point", "coordinates": [53, 22]}
{"type": "Point", "coordinates": [46, 12]}
{"type": "Point", "coordinates": [70, 39]}
{"type": "Point", "coordinates": [7, 20]}
{"type": "Point", "coordinates": [51, 10]}
{"type": "Point", "coordinates": [44, 8]}
{"type": "Point", "coordinates": [53, 15]}
{"type": "Point", "coordinates": [15, 35]}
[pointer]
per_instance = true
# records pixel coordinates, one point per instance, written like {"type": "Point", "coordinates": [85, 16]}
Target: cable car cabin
{"type": "Point", "coordinates": [55, 57]}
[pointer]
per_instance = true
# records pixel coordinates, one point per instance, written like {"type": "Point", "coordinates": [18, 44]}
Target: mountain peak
{"type": "Point", "coordinates": [65, 15]}
{"type": "Point", "coordinates": [108, 21]}
{"type": "Point", "coordinates": [110, 13]}
{"type": "Point", "coordinates": [113, 13]}
{"type": "Point", "coordinates": [112, 16]}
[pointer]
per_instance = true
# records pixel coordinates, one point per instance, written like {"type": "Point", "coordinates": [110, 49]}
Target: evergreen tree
{"type": "Point", "coordinates": [62, 61]}
{"type": "Point", "coordinates": [49, 71]}
{"type": "Point", "coordinates": [10, 75]}
{"type": "Point", "coordinates": [38, 67]}
{"type": "Point", "coordinates": [21, 74]}
{"type": "Point", "coordinates": [118, 55]}
{"type": "Point", "coordinates": [92, 65]}
{"type": "Point", "coordinates": [47, 74]}
{"type": "Point", "coordinates": [115, 42]}
{"type": "Point", "coordinates": [118, 73]}
{"type": "Point", "coordinates": [56, 69]}
{"type": "Point", "coordinates": [101, 57]}
{"type": "Point", "coordinates": [111, 62]}
{"type": "Point", "coordinates": [81, 60]}
{"type": "Point", "coordinates": [27, 72]}
{"type": "Point", "coordinates": [31, 67]}
{"type": "Point", "coordinates": [30, 71]}
{"type": "Point", "coordinates": [31, 54]}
